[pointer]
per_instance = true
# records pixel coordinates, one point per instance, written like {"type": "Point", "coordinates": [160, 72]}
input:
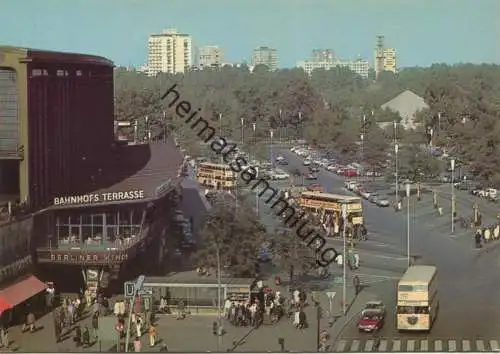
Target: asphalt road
{"type": "Point", "coordinates": [469, 279]}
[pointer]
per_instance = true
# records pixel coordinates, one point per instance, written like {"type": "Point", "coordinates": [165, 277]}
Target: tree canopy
{"type": "Point", "coordinates": [327, 107]}
{"type": "Point", "coordinates": [235, 234]}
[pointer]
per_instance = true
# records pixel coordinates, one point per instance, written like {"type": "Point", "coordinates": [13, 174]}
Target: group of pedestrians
{"type": "Point", "coordinates": [486, 234]}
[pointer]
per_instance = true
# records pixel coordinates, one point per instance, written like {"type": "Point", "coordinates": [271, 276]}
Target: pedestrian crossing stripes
{"type": "Point", "coordinates": [415, 345]}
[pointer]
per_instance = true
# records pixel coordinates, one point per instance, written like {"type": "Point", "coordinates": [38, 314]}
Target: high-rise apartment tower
{"type": "Point", "coordinates": [169, 52]}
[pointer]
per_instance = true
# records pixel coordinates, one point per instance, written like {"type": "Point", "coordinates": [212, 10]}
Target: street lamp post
{"type": "Point", "coordinates": [280, 128]}
{"type": "Point", "coordinates": [242, 130]}
{"type": "Point", "coordinates": [408, 192]}
{"type": "Point", "coordinates": [344, 261]}
{"type": "Point", "coordinates": [219, 301]}
{"type": "Point", "coordinates": [254, 127]}
{"type": "Point", "coordinates": [271, 132]}
{"type": "Point", "coordinates": [139, 283]}
{"type": "Point", "coordinates": [396, 148]}
{"type": "Point", "coordinates": [363, 147]}
{"type": "Point", "coordinates": [301, 126]}
{"type": "Point", "coordinates": [220, 136]}
{"type": "Point", "coordinates": [452, 195]}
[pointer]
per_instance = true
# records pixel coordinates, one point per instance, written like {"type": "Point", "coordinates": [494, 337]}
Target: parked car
{"type": "Point", "coordinates": [350, 172]}
{"type": "Point", "coordinates": [314, 169]}
{"type": "Point", "coordinates": [307, 162]}
{"type": "Point", "coordinates": [311, 176]}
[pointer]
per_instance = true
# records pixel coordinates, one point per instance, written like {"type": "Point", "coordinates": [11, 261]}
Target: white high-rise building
{"type": "Point", "coordinates": [327, 62]}
{"type": "Point", "coordinates": [209, 57]}
{"type": "Point", "coordinates": [265, 56]}
{"type": "Point", "coordinates": [169, 52]}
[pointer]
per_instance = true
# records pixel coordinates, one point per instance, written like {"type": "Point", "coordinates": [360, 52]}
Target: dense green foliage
{"type": "Point", "coordinates": [327, 108]}
{"type": "Point", "coordinates": [233, 233]}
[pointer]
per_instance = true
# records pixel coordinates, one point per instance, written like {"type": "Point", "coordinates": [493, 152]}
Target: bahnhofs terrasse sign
{"type": "Point", "coordinates": [96, 198]}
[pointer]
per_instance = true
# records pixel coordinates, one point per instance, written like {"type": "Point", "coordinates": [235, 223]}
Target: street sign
{"type": "Point", "coordinates": [146, 291]}
{"type": "Point", "coordinates": [139, 283]}
{"type": "Point", "coordinates": [331, 294]}
{"type": "Point", "coordinates": [128, 288]}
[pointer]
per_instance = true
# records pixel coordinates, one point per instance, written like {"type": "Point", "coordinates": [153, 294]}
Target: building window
{"type": "Point", "coordinates": [36, 72]}
{"type": "Point", "coordinates": [60, 73]}
{"type": "Point", "coordinates": [78, 73]}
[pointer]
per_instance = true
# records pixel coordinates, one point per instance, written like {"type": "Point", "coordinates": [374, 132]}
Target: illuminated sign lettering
{"type": "Point", "coordinates": [99, 198]}
{"type": "Point", "coordinates": [88, 258]}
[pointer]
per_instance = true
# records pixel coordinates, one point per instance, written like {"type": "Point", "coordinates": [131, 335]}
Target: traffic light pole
{"type": "Point", "coordinates": [137, 288]}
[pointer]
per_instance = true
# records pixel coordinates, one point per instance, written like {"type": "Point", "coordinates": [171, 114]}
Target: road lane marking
{"type": "Point", "coordinates": [494, 345]}
{"type": "Point", "coordinates": [355, 345]}
{"type": "Point", "coordinates": [465, 345]}
{"type": "Point", "coordinates": [341, 346]}
{"type": "Point", "coordinates": [396, 345]}
{"type": "Point", "coordinates": [438, 345]}
{"type": "Point", "coordinates": [383, 345]}
{"type": "Point", "coordinates": [369, 345]}
{"type": "Point", "coordinates": [480, 346]}
{"type": "Point", "coordinates": [410, 345]}
{"type": "Point", "coordinates": [424, 345]}
{"type": "Point", "coordinates": [452, 345]}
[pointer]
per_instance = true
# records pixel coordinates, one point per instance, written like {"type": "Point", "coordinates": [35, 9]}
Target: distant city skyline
{"type": "Point", "coordinates": [422, 32]}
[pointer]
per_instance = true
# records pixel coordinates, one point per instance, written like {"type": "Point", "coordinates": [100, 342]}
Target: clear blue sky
{"type": "Point", "coordinates": [422, 31]}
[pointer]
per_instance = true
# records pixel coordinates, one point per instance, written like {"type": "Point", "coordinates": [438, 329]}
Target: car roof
{"type": "Point", "coordinates": [374, 302]}
{"type": "Point", "coordinates": [372, 312]}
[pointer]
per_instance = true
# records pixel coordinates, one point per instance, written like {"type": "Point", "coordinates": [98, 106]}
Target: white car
{"type": "Point", "coordinates": [307, 162]}
{"type": "Point", "coordinates": [351, 185]}
{"type": "Point", "coordinates": [279, 175]}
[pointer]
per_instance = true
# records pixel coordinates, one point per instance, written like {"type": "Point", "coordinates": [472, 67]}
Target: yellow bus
{"type": "Point", "coordinates": [417, 299]}
{"type": "Point", "coordinates": [216, 176]}
{"type": "Point", "coordinates": [321, 203]}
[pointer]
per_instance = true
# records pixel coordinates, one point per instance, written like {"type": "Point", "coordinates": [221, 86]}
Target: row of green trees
{"type": "Point", "coordinates": [236, 236]}
{"type": "Point", "coordinates": [327, 108]}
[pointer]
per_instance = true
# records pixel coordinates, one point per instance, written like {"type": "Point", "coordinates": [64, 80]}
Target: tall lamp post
{"type": "Point", "coordinates": [301, 126]}
{"type": "Point", "coordinates": [280, 128]}
{"type": "Point", "coordinates": [396, 149]}
{"type": "Point", "coordinates": [219, 300]}
{"type": "Point", "coordinates": [408, 192]}
{"type": "Point", "coordinates": [220, 136]}
{"type": "Point", "coordinates": [363, 147]}
{"type": "Point", "coordinates": [139, 284]}
{"type": "Point", "coordinates": [254, 127]}
{"type": "Point", "coordinates": [452, 162]}
{"type": "Point", "coordinates": [344, 260]}
{"type": "Point", "coordinates": [271, 132]}
{"type": "Point", "coordinates": [242, 130]}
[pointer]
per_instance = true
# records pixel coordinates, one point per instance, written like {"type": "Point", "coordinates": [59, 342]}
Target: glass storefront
{"type": "Point", "coordinates": [107, 228]}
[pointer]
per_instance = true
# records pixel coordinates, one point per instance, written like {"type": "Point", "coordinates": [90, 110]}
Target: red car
{"type": "Point", "coordinates": [350, 172]}
{"type": "Point", "coordinates": [371, 320]}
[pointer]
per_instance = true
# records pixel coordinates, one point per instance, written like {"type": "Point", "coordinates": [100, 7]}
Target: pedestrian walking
{"type": "Point", "coordinates": [137, 344]}
{"type": "Point", "coordinates": [30, 323]}
{"type": "Point", "coordinates": [86, 337]}
{"type": "Point", "coordinates": [95, 325]}
{"type": "Point", "coordinates": [152, 336]}
{"type": "Point", "coordinates": [4, 337]}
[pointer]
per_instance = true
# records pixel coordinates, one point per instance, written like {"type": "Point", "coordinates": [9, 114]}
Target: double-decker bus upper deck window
{"type": "Point", "coordinates": [405, 288]}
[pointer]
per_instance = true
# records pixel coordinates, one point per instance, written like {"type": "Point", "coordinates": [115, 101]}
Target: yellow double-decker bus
{"type": "Point", "coordinates": [417, 299]}
{"type": "Point", "coordinates": [327, 205]}
{"type": "Point", "coordinates": [216, 176]}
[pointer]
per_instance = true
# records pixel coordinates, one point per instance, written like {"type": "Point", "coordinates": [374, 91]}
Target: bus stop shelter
{"type": "Point", "coordinates": [198, 292]}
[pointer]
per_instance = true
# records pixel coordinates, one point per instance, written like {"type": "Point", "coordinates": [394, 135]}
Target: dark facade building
{"type": "Point", "coordinates": [83, 202]}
